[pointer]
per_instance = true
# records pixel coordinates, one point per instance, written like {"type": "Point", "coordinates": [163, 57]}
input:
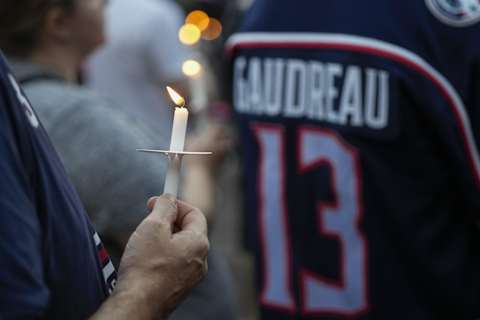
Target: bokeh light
{"type": "Point", "coordinates": [191, 68]}
{"type": "Point", "coordinates": [189, 34]}
{"type": "Point", "coordinates": [198, 18]}
{"type": "Point", "coordinates": [213, 31]}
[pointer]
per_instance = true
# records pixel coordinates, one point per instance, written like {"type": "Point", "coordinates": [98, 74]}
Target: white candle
{"type": "Point", "coordinates": [179, 130]}
{"type": "Point", "coordinates": [172, 178]}
{"type": "Point", "coordinates": [177, 143]}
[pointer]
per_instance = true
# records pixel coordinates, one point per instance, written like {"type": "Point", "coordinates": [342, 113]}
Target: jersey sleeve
{"type": "Point", "coordinates": [165, 53]}
{"type": "Point", "coordinates": [23, 291]}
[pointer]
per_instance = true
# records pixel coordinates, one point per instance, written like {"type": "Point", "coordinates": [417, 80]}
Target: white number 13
{"type": "Point", "coordinates": [339, 220]}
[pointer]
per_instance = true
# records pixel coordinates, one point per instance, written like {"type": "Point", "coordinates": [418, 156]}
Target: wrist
{"type": "Point", "coordinates": [144, 295]}
{"type": "Point", "coordinates": [132, 300]}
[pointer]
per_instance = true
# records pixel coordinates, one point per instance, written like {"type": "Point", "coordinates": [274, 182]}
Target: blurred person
{"type": "Point", "coordinates": [52, 262]}
{"type": "Point", "coordinates": [141, 56]}
{"type": "Point", "coordinates": [96, 138]}
{"type": "Point", "coordinates": [359, 123]}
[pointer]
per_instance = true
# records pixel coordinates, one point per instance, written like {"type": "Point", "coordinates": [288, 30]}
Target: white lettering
{"type": "Point", "coordinates": [239, 92]}
{"type": "Point", "coordinates": [378, 119]}
{"type": "Point", "coordinates": [295, 93]}
{"type": "Point", "coordinates": [351, 101]}
{"type": "Point", "coordinates": [347, 95]}
{"type": "Point", "coordinates": [334, 70]}
{"type": "Point", "coordinates": [273, 86]}
{"type": "Point", "coordinates": [255, 81]}
{"type": "Point", "coordinates": [316, 79]}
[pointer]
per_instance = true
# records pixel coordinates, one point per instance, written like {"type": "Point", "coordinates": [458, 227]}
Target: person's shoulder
{"type": "Point", "coordinates": [79, 104]}
{"type": "Point", "coordinates": [148, 7]}
{"type": "Point", "coordinates": [3, 64]}
{"type": "Point", "coordinates": [59, 95]}
{"type": "Point", "coordinates": [152, 18]}
{"type": "Point", "coordinates": [6, 89]}
{"type": "Point", "coordinates": [13, 100]}
{"type": "Point", "coordinates": [73, 107]}
{"type": "Point", "coordinates": [168, 6]}
{"type": "Point", "coordinates": [6, 74]}
{"type": "Point", "coordinates": [164, 11]}
{"type": "Point", "coordinates": [58, 101]}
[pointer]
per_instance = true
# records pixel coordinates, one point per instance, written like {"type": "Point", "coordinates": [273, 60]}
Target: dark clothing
{"type": "Point", "coordinates": [51, 259]}
{"type": "Point", "coordinates": [360, 124]}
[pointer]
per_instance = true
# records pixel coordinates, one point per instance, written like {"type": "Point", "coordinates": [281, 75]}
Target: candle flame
{"type": "Point", "coordinates": [177, 99]}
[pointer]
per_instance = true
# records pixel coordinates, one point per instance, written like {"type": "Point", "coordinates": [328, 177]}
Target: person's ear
{"type": "Point", "coordinates": [58, 25]}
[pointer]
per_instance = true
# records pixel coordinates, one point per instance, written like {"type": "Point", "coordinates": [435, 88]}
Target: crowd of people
{"type": "Point", "coordinates": [355, 126]}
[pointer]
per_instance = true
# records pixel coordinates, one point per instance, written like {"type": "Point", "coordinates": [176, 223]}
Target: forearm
{"type": "Point", "coordinates": [133, 302]}
{"type": "Point", "coordinates": [199, 187]}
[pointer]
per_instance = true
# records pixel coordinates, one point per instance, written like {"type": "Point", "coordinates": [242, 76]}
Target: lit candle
{"type": "Point", "coordinates": [180, 119]}
{"type": "Point", "coordinates": [177, 143]}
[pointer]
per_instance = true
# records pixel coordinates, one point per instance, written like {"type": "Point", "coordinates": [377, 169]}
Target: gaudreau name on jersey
{"type": "Point", "coordinates": [331, 92]}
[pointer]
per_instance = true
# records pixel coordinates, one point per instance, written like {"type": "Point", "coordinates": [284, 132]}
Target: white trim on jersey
{"type": "Point", "coordinates": [108, 270]}
{"type": "Point", "coordinates": [96, 238]}
{"type": "Point", "coordinates": [372, 46]}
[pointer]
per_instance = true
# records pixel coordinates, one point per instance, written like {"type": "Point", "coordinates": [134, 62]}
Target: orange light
{"type": "Point", "coordinates": [176, 98]}
{"type": "Point", "coordinates": [213, 31]}
{"type": "Point", "coordinates": [198, 18]}
{"type": "Point", "coordinates": [189, 34]}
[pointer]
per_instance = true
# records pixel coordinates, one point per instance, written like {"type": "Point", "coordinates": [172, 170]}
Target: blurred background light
{"type": "Point", "coordinates": [189, 34]}
{"type": "Point", "coordinates": [213, 31]}
{"type": "Point", "coordinates": [191, 68]}
{"type": "Point", "coordinates": [198, 18]}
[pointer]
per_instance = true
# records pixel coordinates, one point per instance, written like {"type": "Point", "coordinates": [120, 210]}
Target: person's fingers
{"type": "Point", "coordinates": [191, 219]}
{"type": "Point", "coordinates": [164, 210]}
{"type": "Point", "coordinates": [151, 203]}
{"type": "Point", "coordinates": [193, 232]}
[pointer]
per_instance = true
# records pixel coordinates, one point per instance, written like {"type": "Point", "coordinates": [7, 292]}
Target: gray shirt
{"type": "Point", "coordinates": [97, 142]}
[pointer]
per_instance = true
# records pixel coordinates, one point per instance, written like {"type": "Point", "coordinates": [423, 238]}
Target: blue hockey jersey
{"type": "Point", "coordinates": [360, 124]}
{"type": "Point", "coordinates": [52, 263]}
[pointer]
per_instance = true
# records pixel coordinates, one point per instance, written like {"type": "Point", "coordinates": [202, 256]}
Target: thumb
{"type": "Point", "coordinates": [164, 211]}
{"type": "Point", "coordinates": [151, 203]}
